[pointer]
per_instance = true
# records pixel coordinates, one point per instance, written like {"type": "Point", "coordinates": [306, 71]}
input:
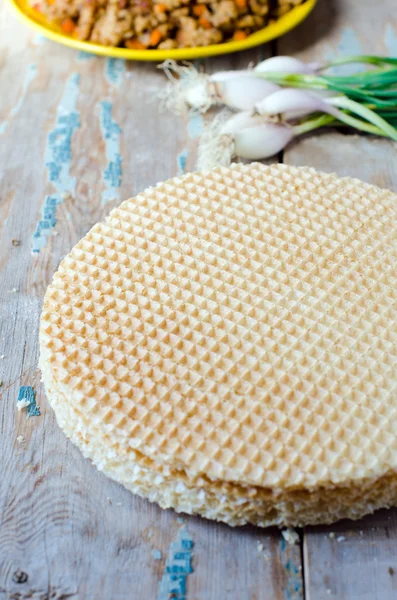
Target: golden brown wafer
{"type": "Point", "coordinates": [232, 334]}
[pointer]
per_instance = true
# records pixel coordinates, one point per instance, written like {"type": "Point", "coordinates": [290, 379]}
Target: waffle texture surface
{"type": "Point", "coordinates": [234, 333]}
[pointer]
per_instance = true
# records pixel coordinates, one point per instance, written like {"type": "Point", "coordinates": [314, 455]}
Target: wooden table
{"type": "Point", "coordinates": [77, 135]}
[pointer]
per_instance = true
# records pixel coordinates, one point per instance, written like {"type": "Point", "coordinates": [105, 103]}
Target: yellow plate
{"type": "Point", "coordinates": [52, 31]}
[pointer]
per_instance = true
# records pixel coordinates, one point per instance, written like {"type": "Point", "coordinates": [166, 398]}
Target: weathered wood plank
{"type": "Point", "coordinates": [77, 135]}
{"type": "Point", "coordinates": [358, 560]}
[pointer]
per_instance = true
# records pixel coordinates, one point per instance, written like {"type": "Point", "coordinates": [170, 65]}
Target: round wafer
{"type": "Point", "coordinates": [225, 343]}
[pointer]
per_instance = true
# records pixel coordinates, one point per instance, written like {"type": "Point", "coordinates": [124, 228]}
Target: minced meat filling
{"type": "Point", "coordinates": [162, 24]}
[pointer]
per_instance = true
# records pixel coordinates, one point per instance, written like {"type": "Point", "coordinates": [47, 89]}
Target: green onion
{"type": "Point", "coordinates": [302, 100]}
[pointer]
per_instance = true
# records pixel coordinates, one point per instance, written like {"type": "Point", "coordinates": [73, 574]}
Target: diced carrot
{"type": "Point", "coordinates": [159, 8]}
{"type": "Point", "coordinates": [50, 2]}
{"type": "Point", "coordinates": [199, 10]}
{"type": "Point", "coordinates": [205, 23]}
{"type": "Point", "coordinates": [68, 26]}
{"type": "Point", "coordinates": [241, 3]}
{"type": "Point", "coordinates": [155, 37]}
{"type": "Point", "coordinates": [135, 45]}
{"type": "Point", "coordinates": [239, 35]}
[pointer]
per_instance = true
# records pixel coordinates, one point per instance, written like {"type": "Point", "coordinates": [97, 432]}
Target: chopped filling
{"type": "Point", "coordinates": [163, 24]}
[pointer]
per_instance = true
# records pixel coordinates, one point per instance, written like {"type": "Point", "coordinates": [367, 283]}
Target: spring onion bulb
{"type": "Point", "coordinates": [220, 76]}
{"type": "Point", "coordinates": [283, 98]}
{"type": "Point", "coordinates": [237, 91]}
{"type": "Point", "coordinates": [243, 95]}
{"type": "Point", "coordinates": [239, 121]}
{"type": "Point", "coordinates": [262, 141]}
{"type": "Point", "coordinates": [242, 136]}
{"type": "Point", "coordinates": [291, 103]}
{"type": "Point", "coordinates": [286, 64]}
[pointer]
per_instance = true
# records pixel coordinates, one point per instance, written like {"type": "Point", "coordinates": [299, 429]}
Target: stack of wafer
{"type": "Point", "coordinates": [225, 344]}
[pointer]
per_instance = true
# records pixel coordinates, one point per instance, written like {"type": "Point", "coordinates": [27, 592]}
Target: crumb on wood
{"type": "Point", "coordinates": [20, 439]}
{"type": "Point", "coordinates": [1, 382]}
{"type": "Point", "coordinates": [290, 536]}
{"type": "Point", "coordinates": [331, 535]}
{"type": "Point", "coordinates": [13, 290]}
{"type": "Point", "coordinates": [341, 538]}
{"type": "Point", "coordinates": [66, 195]}
{"type": "Point", "coordinates": [15, 242]}
{"type": "Point", "coordinates": [391, 571]}
{"type": "Point", "coordinates": [2, 356]}
{"type": "Point", "coordinates": [260, 547]}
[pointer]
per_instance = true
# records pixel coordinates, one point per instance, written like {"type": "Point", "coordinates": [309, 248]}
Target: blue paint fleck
{"type": "Point", "coordinates": [46, 223]}
{"type": "Point", "coordinates": [58, 157]}
{"type": "Point", "coordinates": [84, 56]}
{"type": "Point", "coordinates": [30, 75]}
{"type": "Point", "coordinates": [391, 40]}
{"type": "Point", "coordinates": [178, 568]}
{"type": "Point", "coordinates": [26, 392]}
{"type": "Point", "coordinates": [349, 45]}
{"type": "Point", "coordinates": [39, 39]}
{"type": "Point", "coordinates": [181, 161]}
{"type": "Point", "coordinates": [112, 173]}
{"type": "Point", "coordinates": [195, 125]}
{"type": "Point", "coordinates": [114, 70]}
{"type": "Point", "coordinates": [111, 132]}
{"type": "Point", "coordinates": [294, 587]}
{"type": "Point", "coordinates": [349, 42]}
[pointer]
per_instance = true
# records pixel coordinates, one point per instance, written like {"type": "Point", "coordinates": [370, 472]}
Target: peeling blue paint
{"type": "Point", "coordinates": [349, 42]}
{"type": "Point", "coordinates": [391, 40]}
{"type": "Point", "coordinates": [178, 568]}
{"type": "Point", "coordinates": [46, 223]}
{"type": "Point", "coordinates": [84, 56]}
{"type": "Point", "coordinates": [111, 133]}
{"type": "Point", "coordinates": [195, 125]}
{"type": "Point", "coordinates": [181, 161]}
{"type": "Point", "coordinates": [58, 158]}
{"type": "Point", "coordinates": [30, 75]}
{"type": "Point", "coordinates": [294, 586]}
{"type": "Point", "coordinates": [26, 392]}
{"type": "Point", "coordinates": [39, 39]}
{"type": "Point", "coordinates": [114, 70]}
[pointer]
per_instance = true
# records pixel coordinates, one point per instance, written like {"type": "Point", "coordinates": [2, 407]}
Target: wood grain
{"type": "Point", "coordinates": [68, 529]}
{"type": "Point", "coordinates": [71, 530]}
{"type": "Point", "coordinates": [359, 559]}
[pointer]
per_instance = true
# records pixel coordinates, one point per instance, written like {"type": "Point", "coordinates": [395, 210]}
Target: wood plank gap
{"type": "Point", "coordinates": [305, 566]}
